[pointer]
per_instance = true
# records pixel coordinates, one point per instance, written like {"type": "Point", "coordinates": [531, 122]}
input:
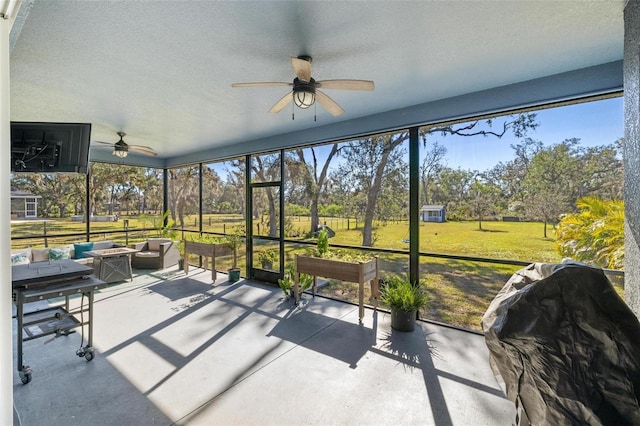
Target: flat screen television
{"type": "Point", "coordinates": [50, 147]}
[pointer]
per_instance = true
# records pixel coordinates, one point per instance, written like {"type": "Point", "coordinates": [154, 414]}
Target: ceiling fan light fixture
{"type": "Point", "coordinates": [304, 99]}
{"type": "Point", "coordinates": [304, 93]}
{"type": "Point", "coordinates": [120, 153]}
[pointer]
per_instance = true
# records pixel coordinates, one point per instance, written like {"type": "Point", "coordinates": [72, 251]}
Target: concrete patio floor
{"type": "Point", "coordinates": [175, 349]}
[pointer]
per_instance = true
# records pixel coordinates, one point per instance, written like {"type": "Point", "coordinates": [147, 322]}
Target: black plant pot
{"type": "Point", "coordinates": [403, 320]}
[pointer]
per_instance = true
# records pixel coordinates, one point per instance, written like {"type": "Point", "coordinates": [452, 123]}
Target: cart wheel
{"type": "Point", "coordinates": [89, 354]}
{"type": "Point", "coordinates": [25, 374]}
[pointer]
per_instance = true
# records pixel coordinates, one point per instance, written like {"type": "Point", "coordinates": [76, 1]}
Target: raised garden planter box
{"type": "Point", "coordinates": [356, 272]}
{"type": "Point", "coordinates": [208, 251]}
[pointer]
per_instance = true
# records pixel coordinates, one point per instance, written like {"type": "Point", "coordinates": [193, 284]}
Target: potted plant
{"type": "Point", "coordinates": [287, 282]}
{"type": "Point", "coordinates": [267, 258]}
{"type": "Point", "coordinates": [234, 241]}
{"type": "Point", "coordinates": [181, 251]}
{"type": "Point", "coordinates": [404, 298]}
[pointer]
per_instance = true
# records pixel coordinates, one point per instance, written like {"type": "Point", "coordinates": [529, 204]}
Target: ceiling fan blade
{"type": "Point", "coordinates": [329, 104]}
{"type": "Point", "coordinates": [262, 84]}
{"type": "Point", "coordinates": [346, 84]}
{"type": "Point", "coordinates": [142, 150]}
{"type": "Point", "coordinates": [105, 143]}
{"type": "Point", "coordinates": [283, 102]}
{"type": "Point", "coordinates": [302, 68]}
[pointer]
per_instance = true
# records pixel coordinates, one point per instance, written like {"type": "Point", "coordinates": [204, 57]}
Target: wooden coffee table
{"type": "Point", "coordinates": [113, 264]}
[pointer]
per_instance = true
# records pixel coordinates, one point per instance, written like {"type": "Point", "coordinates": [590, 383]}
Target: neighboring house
{"type": "Point", "coordinates": [432, 213]}
{"type": "Point", "coordinates": [24, 205]}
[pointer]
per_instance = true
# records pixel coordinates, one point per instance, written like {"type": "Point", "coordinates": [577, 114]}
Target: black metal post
{"type": "Point", "coordinates": [201, 196]}
{"type": "Point", "coordinates": [88, 204]}
{"type": "Point", "coordinates": [414, 208]}
{"type": "Point", "coordinates": [282, 217]}
{"type": "Point", "coordinates": [165, 191]}
{"type": "Point", "coordinates": [248, 216]}
{"type": "Point", "coordinates": [126, 232]}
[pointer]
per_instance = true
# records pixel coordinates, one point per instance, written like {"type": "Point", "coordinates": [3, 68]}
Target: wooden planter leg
{"type": "Point", "coordinates": [361, 300]}
{"type": "Point", "coordinates": [214, 272]}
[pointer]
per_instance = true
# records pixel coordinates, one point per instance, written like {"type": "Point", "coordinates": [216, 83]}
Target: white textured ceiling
{"type": "Point", "coordinates": [161, 71]}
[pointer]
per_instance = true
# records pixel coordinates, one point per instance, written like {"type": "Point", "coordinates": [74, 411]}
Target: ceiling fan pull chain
{"type": "Point", "coordinates": [293, 112]}
{"type": "Point", "coordinates": [315, 110]}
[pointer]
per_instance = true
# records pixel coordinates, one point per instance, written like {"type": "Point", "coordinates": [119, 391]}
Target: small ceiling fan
{"type": "Point", "coordinates": [121, 148]}
{"type": "Point", "coordinates": [305, 89]}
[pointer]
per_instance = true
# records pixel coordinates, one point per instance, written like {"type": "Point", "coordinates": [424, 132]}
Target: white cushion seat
{"type": "Point", "coordinates": [148, 254]}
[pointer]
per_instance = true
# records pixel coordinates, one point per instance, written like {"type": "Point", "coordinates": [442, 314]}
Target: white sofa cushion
{"type": "Point", "coordinates": [148, 254]}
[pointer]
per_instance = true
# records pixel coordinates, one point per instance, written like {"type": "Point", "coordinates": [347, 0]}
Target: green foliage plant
{"type": "Point", "coordinates": [235, 240]}
{"type": "Point", "coordinates": [322, 250]}
{"type": "Point", "coordinates": [400, 294]}
{"type": "Point", "coordinates": [595, 234]}
{"type": "Point", "coordinates": [287, 282]}
{"type": "Point", "coordinates": [165, 226]}
{"type": "Point", "coordinates": [267, 257]}
{"type": "Point", "coordinates": [323, 243]}
{"type": "Point", "coordinates": [206, 238]}
{"type": "Point", "coordinates": [180, 247]}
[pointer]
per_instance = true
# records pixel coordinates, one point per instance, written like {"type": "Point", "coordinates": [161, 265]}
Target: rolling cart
{"type": "Point", "coordinates": [44, 280]}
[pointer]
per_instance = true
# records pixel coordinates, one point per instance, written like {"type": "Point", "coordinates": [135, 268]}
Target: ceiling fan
{"type": "Point", "coordinates": [121, 148]}
{"type": "Point", "coordinates": [305, 89]}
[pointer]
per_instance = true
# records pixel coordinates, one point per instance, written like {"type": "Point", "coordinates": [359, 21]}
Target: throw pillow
{"type": "Point", "coordinates": [101, 245]}
{"type": "Point", "coordinates": [40, 255]}
{"type": "Point", "coordinates": [21, 257]}
{"type": "Point", "coordinates": [81, 249]}
{"type": "Point", "coordinates": [60, 253]}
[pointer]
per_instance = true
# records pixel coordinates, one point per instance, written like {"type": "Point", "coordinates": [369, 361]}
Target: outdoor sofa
{"type": "Point", "coordinates": [75, 252]}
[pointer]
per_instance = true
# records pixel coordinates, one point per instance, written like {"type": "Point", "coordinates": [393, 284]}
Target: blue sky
{"type": "Point", "coordinates": [594, 123]}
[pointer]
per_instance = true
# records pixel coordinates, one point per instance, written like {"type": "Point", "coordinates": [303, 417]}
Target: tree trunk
{"type": "Point", "coordinates": [425, 190]}
{"type": "Point", "coordinates": [372, 196]}
{"type": "Point", "coordinates": [315, 217]}
{"type": "Point", "coordinates": [273, 223]}
{"type": "Point", "coordinates": [315, 183]}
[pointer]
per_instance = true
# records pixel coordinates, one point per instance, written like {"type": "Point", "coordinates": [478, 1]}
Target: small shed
{"type": "Point", "coordinates": [24, 205]}
{"type": "Point", "coordinates": [432, 213]}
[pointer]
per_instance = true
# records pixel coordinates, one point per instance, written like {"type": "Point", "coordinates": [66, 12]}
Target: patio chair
{"type": "Point", "coordinates": [155, 253]}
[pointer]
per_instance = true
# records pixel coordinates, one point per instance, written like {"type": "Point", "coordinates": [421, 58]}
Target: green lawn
{"type": "Point", "coordinates": [500, 240]}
